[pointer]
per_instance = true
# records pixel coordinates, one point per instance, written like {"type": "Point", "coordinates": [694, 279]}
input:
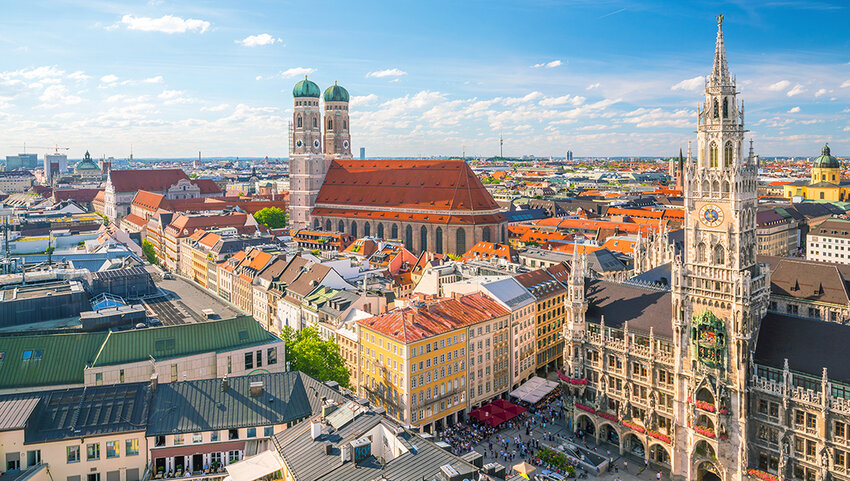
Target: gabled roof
{"type": "Point", "coordinates": [184, 225]}
{"type": "Point", "coordinates": [202, 405]}
{"type": "Point", "coordinates": [63, 358]}
{"type": "Point", "coordinates": [810, 280]}
{"type": "Point", "coordinates": [809, 346]}
{"type": "Point", "coordinates": [488, 250]}
{"type": "Point", "coordinates": [207, 186]}
{"type": "Point", "coordinates": [155, 180]}
{"type": "Point", "coordinates": [541, 283]}
{"type": "Point", "coordinates": [150, 201]}
{"type": "Point", "coordinates": [78, 195]}
{"type": "Point", "coordinates": [642, 308]}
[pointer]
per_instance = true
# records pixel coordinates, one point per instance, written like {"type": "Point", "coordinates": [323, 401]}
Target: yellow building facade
{"type": "Point", "coordinates": [826, 183]}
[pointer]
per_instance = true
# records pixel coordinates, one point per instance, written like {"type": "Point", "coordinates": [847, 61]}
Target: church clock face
{"type": "Point", "coordinates": [710, 215]}
{"type": "Point", "coordinates": [316, 143]}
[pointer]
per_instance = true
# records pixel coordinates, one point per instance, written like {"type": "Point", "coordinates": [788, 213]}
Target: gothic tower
{"type": "Point", "coordinates": [720, 292]}
{"type": "Point", "coordinates": [337, 140]}
{"type": "Point", "coordinates": [307, 165]}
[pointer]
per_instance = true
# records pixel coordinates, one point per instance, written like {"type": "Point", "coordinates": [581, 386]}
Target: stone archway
{"type": "Point", "coordinates": [609, 434]}
{"type": "Point", "coordinates": [708, 471]}
{"type": "Point", "coordinates": [585, 423]}
{"type": "Point", "coordinates": [658, 453]}
{"type": "Point", "coordinates": [634, 445]}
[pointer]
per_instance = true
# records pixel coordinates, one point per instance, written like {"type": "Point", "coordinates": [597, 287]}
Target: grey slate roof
{"type": "Point", "coordinates": [307, 460]}
{"type": "Point", "coordinates": [809, 346]}
{"type": "Point", "coordinates": [15, 410]}
{"type": "Point", "coordinates": [641, 307]}
{"type": "Point", "coordinates": [89, 411]}
{"type": "Point", "coordinates": [202, 405]}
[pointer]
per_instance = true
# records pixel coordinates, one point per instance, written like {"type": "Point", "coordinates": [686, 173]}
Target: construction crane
{"type": "Point", "coordinates": [55, 146]}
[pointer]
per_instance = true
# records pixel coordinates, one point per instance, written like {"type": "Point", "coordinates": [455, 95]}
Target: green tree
{"type": "Point", "coordinates": [272, 217]}
{"type": "Point", "coordinates": [150, 253]}
{"type": "Point", "coordinates": [308, 353]}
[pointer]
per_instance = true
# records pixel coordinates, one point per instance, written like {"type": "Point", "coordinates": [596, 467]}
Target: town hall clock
{"type": "Point", "coordinates": [711, 215]}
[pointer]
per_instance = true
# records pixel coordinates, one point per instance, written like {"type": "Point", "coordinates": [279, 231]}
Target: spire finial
{"type": "Point", "coordinates": [719, 20]}
{"type": "Point", "coordinates": [825, 150]}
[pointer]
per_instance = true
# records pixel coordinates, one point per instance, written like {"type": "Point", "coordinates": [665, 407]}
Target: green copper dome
{"type": "Point", "coordinates": [86, 164]}
{"type": "Point", "coordinates": [826, 161]}
{"type": "Point", "coordinates": [306, 88]}
{"type": "Point", "coordinates": [335, 93]}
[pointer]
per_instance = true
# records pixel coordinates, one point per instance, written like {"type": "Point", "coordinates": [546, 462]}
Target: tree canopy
{"type": "Point", "coordinates": [272, 217]}
{"type": "Point", "coordinates": [308, 353]}
{"type": "Point", "coordinates": [148, 250]}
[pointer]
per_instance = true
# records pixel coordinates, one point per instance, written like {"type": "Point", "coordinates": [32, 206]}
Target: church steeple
{"type": "Point", "coordinates": [720, 71]}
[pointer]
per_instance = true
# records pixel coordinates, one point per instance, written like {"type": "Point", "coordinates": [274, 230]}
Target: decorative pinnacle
{"type": "Point", "coordinates": [720, 20]}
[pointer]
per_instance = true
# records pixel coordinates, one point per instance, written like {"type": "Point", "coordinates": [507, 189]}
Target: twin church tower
{"type": "Point", "coordinates": [314, 143]}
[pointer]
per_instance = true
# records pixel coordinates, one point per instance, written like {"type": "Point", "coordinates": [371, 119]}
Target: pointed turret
{"type": "Point", "coordinates": [720, 71]}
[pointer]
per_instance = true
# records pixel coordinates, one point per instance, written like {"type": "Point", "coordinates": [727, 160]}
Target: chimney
{"type": "Point", "coordinates": [225, 385]}
{"type": "Point", "coordinates": [256, 388]}
{"type": "Point", "coordinates": [315, 430]}
{"type": "Point", "coordinates": [344, 453]}
{"type": "Point", "coordinates": [154, 381]}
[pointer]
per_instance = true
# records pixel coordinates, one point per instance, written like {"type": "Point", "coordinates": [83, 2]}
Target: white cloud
{"type": "Point", "coordinates": [78, 75]}
{"type": "Point", "coordinates": [690, 84]}
{"type": "Point", "coordinates": [165, 24]}
{"type": "Point", "coordinates": [797, 90]}
{"type": "Point", "coordinates": [552, 64]}
{"type": "Point", "coordinates": [390, 72]}
{"type": "Point", "coordinates": [845, 84]}
{"type": "Point", "coordinates": [258, 40]}
{"type": "Point", "coordinates": [170, 94]}
{"type": "Point", "coordinates": [821, 92]}
{"type": "Point", "coordinates": [566, 99]}
{"type": "Point", "coordinates": [593, 86]}
{"type": "Point", "coordinates": [58, 94]}
{"type": "Point", "coordinates": [154, 80]}
{"type": "Point", "coordinates": [358, 100]}
{"type": "Point", "coordinates": [108, 79]}
{"type": "Point", "coordinates": [296, 72]}
{"type": "Point", "coordinates": [779, 86]}
{"type": "Point", "coordinates": [258, 77]}
{"type": "Point", "coordinates": [794, 110]}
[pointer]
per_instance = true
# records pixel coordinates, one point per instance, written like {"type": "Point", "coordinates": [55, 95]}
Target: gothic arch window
{"type": "Point", "coordinates": [341, 227]}
{"type": "Point", "coordinates": [354, 228]}
{"type": "Point", "coordinates": [298, 121]}
{"type": "Point", "coordinates": [328, 225]}
{"type": "Point", "coordinates": [716, 109]}
{"type": "Point", "coordinates": [460, 241]}
{"type": "Point", "coordinates": [715, 188]}
{"type": "Point", "coordinates": [316, 224]}
{"type": "Point", "coordinates": [439, 240]}
{"type": "Point", "coordinates": [701, 252]}
{"type": "Point", "coordinates": [725, 108]}
{"type": "Point", "coordinates": [394, 232]}
{"type": "Point", "coordinates": [315, 123]}
{"type": "Point", "coordinates": [485, 234]}
{"type": "Point", "coordinates": [380, 231]}
{"type": "Point", "coordinates": [719, 255]}
{"type": "Point", "coordinates": [725, 190]}
{"type": "Point", "coordinates": [705, 188]}
{"type": "Point", "coordinates": [408, 238]}
{"type": "Point", "coordinates": [367, 229]}
{"type": "Point", "coordinates": [712, 155]}
{"type": "Point", "coordinates": [727, 154]}
{"type": "Point", "coordinates": [330, 124]}
{"type": "Point", "coordinates": [344, 125]}
{"type": "Point", "coordinates": [423, 239]}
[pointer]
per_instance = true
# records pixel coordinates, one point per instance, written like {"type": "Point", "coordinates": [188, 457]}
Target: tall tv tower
{"type": "Point", "coordinates": [501, 144]}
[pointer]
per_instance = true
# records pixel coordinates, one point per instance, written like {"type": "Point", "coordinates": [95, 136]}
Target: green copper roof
{"type": "Point", "coordinates": [826, 161]}
{"type": "Point", "coordinates": [61, 360]}
{"type": "Point", "coordinates": [335, 93]}
{"type": "Point", "coordinates": [306, 88]}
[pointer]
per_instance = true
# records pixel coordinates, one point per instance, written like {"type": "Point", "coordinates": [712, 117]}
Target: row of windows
{"type": "Point", "coordinates": [113, 450]}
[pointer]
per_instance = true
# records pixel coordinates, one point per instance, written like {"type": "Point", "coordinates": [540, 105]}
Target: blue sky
{"type": "Point", "coordinates": [599, 77]}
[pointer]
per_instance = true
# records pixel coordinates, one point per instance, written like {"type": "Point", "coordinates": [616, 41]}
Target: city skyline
{"type": "Point", "coordinates": [600, 79]}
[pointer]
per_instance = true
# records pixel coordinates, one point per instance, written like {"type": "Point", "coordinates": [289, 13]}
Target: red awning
{"type": "Point", "coordinates": [191, 449]}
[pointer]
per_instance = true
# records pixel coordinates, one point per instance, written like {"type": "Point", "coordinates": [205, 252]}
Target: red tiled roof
{"type": "Point", "coordinates": [436, 317]}
{"type": "Point", "coordinates": [403, 216]}
{"type": "Point", "coordinates": [77, 195]}
{"type": "Point", "coordinates": [135, 220]}
{"type": "Point", "coordinates": [150, 201]}
{"type": "Point", "coordinates": [447, 186]}
{"type": "Point", "coordinates": [487, 250]}
{"type": "Point", "coordinates": [100, 197]}
{"type": "Point", "coordinates": [184, 225]}
{"type": "Point", "coordinates": [207, 186]}
{"type": "Point", "coordinates": [151, 180]}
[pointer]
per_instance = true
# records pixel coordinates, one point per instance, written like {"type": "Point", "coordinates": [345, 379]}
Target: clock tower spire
{"type": "Point", "coordinates": [720, 292]}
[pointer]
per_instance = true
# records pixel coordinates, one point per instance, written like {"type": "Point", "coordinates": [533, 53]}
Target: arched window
{"type": "Point", "coordinates": [423, 239]}
{"type": "Point", "coordinates": [719, 255]}
{"type": "Point", "coordinates": [716, 109]}
{"type": "Point", "coordinates": [725, 190]}
{"type": "Point", "coordinates": [380, 231]}
{"type": "Point", "coordinates": [354, 228]}
{"type": "Point", "coordinates": [367, 229]}
{"type": "Point", "coordinates": [330, 124]}
{"type": "Point", "coordinates": [344, 124]}
{"type": "Point", "coordinates": [408, 238]}
{"type": "Point", "coordinates": [460, 241]}
{"type": "Point", "coordinates": [727, 154]}
{"type": "Point", "coordinates": [315, 123]}
{"type": "Point", "coordinates": [394, 232]}
{"type": "Point", "coordinates": [341, 227]}
{"type": "Point", "coordinates": [328, 225]}
{"type": "Point", "coordinates": [316, 224]}
{"type": "Point", "coordinates": [438, 240]}
{"type": "Point", "coordinates": [701, 252]}
{"type": "Point", "coordinates": [712, 155]}
{"type": "Point", "coordinates": [725, 108]}
{"type": "Point", "coordinates": [485, 234]}
{"type": "Point", "coordinates": [299, 121]}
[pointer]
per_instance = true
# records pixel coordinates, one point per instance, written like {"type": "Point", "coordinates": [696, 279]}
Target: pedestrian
{"type": "Point", "coordinates": [626, 466]}
{"type": "Point", "coordinates": [658, 476]}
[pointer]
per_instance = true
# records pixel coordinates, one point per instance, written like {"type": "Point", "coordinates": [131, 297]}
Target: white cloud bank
{"type": "Point", "coordinates": [258, 40]}
{"type": "Point", "coordinates": [390, 72]}
{"type": "Point", "coordinates": [165, 24]}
